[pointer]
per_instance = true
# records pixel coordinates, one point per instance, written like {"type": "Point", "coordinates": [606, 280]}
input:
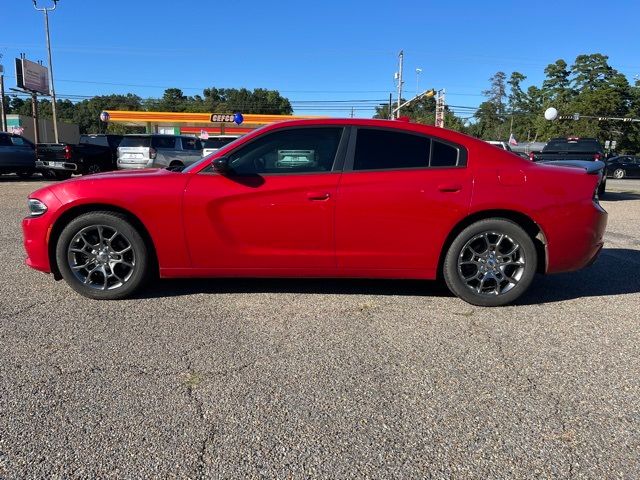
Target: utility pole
{"type": "Point", "coordinates": [34, 112]}
{"type": "Point", "coordinates": [390, 113]}
{"type": "Point", "coordinates": [3, 116]}
{"type": "Point", "coordinates": [52, 87]}
{"type": "Point", "coordinates": [418, 72]}
{"type": "Point", "coordinates": [351, 112]}
{"type": "Point", "coordinates": [400, 82]}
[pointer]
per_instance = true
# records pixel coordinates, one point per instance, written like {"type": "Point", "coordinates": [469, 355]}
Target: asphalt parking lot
{"type": "Point", "coordinates": [322, 379]}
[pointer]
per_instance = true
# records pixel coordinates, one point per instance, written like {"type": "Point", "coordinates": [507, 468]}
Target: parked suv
{"type": "Point", "coordinates": [148, 151]}
{"type": "Point", "coordinates": [215, 143]}
{"type": "Point", "coordinates": [17, 155]}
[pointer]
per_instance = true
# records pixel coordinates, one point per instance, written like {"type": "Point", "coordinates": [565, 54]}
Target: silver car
{"type": "Point", "coordinates": [158, 151]}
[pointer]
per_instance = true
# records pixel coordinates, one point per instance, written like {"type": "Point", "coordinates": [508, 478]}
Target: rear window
{"type": "Point", "coordinates": [217, 142]}
{"type": "Point", "coordinates": [102, 141]}
{"type": "Point", "coordinates": [571, 146]}
{"type": "Point", "coordinates": [136, 142]}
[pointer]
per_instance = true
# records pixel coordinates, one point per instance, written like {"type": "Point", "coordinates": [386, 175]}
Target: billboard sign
{"type": "Point", "coordinates": [32, 76]}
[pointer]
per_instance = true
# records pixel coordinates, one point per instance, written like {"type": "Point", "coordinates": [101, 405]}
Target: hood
{"type": "Point", "coordinates": [141, 173]}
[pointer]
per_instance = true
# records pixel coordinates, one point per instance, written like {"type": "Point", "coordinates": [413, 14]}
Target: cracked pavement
{"type": "Point", "coordinates": [322, 378]}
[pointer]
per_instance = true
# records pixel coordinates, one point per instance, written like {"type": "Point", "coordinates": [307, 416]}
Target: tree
{"type": "Point", "coordinates": [258, 101]}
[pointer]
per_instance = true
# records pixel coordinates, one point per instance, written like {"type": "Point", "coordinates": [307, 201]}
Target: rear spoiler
{"type": "Point", "coordinates": [592, 167]}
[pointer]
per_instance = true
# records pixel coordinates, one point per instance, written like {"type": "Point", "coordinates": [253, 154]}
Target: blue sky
{"type": "Point", "coordinates": [313, 51]}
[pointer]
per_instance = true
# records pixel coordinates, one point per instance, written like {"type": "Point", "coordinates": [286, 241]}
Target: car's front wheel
{"type": "Point", "coordinates": [619, 173]}
{"type": "Point", "coordinates": [102, 256]}
{"type": "Point", "coordinates": [490, 263]}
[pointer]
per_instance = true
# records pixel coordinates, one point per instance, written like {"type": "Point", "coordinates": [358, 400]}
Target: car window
{"type": "Point", "coordinates": [88, 139]}
{"type": "Point", "coordinates": [217, 142]}
{"type": "Point", "coordinates": [189, 143]}
{"type": "Point", "coordinates": [289, 151]}
{"type": "Point", "coordinates": [4, 141]}
{"type": "Point", "coordinates": [385, 149]}
{"type": "Point", "coordinates": [19, 141]}
{"type": "Point", "coordinates": [136, 142]}
{"type": "Point", "coordinates": [114, 141]}
{"type": "Point", "coordinates": [576, 146]}
{"type": "Point", "coordinates": [443, 155]}
{"type": "Point", "coordinates": [164, 142]}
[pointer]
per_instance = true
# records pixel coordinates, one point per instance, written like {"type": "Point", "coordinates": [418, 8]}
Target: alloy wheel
{"type": "Point", "coordinates": [101, 257]}
{"type": "Point", "coordinates": [491, 263]}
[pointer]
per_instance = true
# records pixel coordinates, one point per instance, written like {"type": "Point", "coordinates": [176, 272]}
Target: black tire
{"type": "Point", "coordinates": [92, 168]}
{"type": "Point", "coordinates": [62, 174]}
{"type": "Point", "coordinates": [464, 244]}
{"type": "Point", "coordinates": [25, 174]}
{"type": "Point", "coordinates": [138, 255]}
{"type": "Point", "coordinates": [602, 187]}
{"type": "Point", "coordinates": [49, 174]}
{"type": "Point", "coordinates": [619, 173]}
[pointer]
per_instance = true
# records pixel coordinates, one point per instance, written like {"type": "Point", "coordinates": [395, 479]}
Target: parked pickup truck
{"type": "Point", "coordinates": [574, 152]}
{"type": "Point", "coordinates": [94, 153]}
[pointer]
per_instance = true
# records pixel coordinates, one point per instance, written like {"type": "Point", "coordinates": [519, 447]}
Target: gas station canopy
{"type": "Point", "coordinates": [194, 123]}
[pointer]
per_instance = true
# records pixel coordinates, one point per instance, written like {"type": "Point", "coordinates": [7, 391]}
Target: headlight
{"type": "Point", "coordinates": [36, 207]}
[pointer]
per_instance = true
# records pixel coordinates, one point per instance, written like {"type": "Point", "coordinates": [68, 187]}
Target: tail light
{"type": "Point", "coordinates": [597, 156]}
{"type": "Point", "coordinates": [153, 153]}
{"type": "Point", "coordinates": [532, 156]}
{"type": "Point", "coordinates": [67, 152]}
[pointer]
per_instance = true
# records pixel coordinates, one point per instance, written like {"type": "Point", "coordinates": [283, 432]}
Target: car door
{"type": "Point", "coordinates": [634, 166]}
{"type": "Point", "coordinates": [190, 151]}
{"type": "Point", "coordinates": [399, 197]}
{"type": "Point", "coordinates": [168, 150]}
{"type": "Point", "coordinates": [274, 213]}
{"type": "Point", "coordinates": [21, 153]}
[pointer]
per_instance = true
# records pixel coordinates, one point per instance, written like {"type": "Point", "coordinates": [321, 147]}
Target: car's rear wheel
{"type": "Point", "coordinates": [490, 263]}
{"type": "Point", "coordinates": [602, 187]}
{"type": "Point", "coordinates": [25, 174]}
{"type": "Point", "coordinates": [93, 168]}
{"type": "Point", "coordinates": [101, 255]}
{"type": "Point", "coordinates": [62, 174]}
{"type": "Point", "coordinates": [619, 173]}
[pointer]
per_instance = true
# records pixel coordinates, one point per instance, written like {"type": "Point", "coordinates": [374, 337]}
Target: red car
{"type": "Point", "coordinates": [324, 198]}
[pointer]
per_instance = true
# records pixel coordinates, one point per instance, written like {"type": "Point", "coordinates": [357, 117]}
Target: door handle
{"type": "Point", "coordinates": [318, 196]}
{"type": "Point", "coordinates": [450, 187]}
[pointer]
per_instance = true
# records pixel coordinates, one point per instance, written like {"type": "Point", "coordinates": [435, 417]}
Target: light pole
{"type": "Point", "coordinates": [52, 88]}
{"type": "Point", "coordinates": [418, 72]}
{"type": "Point", "coordinates": [3, 117]}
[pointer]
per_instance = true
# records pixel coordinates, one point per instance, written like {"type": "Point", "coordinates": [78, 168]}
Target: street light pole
{"type": "Point", "coordinates": [400, 82]}
{"type": "Point", "coordinates": [3, 116]}
{"type": "Point", "coordinates": [418, 72]}
{"type": "Point", "coordinates": [52, 87]}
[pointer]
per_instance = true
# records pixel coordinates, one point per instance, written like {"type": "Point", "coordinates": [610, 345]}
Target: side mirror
{"type": "Point", "coordinates": [221, 166]}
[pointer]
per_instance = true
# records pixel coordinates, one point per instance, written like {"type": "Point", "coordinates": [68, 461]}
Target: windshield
{"type": "Point", "coordinates": [217, 142]}
{"type": "Point", "coordinates": [222, 151]}
{"type": "Point", "coordinates": [136, 141]}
